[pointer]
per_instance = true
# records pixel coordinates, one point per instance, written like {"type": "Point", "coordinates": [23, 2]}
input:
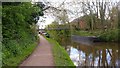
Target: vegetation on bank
{"type": "Point", "coordinates": [107, 36]}
{"type": "Point", "coordinates": [61, 57]}
{"type": "Point", "coordinates": [110, 35]}
{"type": "Point", "coordinates": [82, 33]}
{"type": "Point", "coordinates": [104, 25]}
{"type": "Point", "coordinates": [24, 53]}
{"type": "Point", "coordinates": [19, 31]}
{"type": "Point", "coordinates": [62, 36]}
{"type": "Point", "coordinates": [59, 39]}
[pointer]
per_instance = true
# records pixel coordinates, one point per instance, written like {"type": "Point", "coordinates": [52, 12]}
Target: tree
{"type": "Point", "coordinates": [17, 22]}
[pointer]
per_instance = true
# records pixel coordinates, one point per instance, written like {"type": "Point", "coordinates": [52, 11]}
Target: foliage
{"type": "Point", "coordinates": [9, 60]}
{"type": "Point", "coordinates": [18, 35]}
{"type": "Point", "coordinates": [61, 57]}
{"type": "Point", "coordinates": [110, 35]}
{"type": "Point", "coordinates": [61, 33]}
{"type": "Point", "coordinates": [61, 36]}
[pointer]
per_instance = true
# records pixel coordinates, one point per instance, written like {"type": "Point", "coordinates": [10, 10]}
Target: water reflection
{"type": "Point", "coordinates": [97, 54]}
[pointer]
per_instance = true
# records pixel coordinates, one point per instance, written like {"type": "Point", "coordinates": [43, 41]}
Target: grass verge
{"type": "Point", "coordinates": [15, 61]}
{"type": "Point", "coordinates": [83, 33]}
{"type": "Point", "coordinates": [61, 57]}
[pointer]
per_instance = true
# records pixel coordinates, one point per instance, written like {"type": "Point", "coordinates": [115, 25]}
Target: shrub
{"type": "Point", "coordinates": [110, 35]}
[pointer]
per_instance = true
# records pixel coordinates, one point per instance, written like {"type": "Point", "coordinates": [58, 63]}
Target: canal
{"type": "Point", "coordinates": [94, 54]}
{"type": "Point", "coordinates": [84, 52]}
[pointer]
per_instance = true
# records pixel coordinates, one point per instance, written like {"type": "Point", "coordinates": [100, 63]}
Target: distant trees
{"type": "Point", "coordinates": [97, 16]}
{"type": "Point", "coordinates": [102, 15]}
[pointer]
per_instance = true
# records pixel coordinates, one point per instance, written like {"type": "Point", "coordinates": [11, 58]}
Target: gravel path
{"type": "Point", "coordinates": [41, 56]}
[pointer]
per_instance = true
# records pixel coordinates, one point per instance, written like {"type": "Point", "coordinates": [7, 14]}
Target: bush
{"type": "Point", "coordinates": [110, 35]}
{"type": "Point", "coordinates": [61, 36]}
{"type": "Point", "coordinates": [18, 34]}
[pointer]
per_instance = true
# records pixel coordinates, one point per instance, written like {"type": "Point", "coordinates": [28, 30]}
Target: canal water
{"type": "Point", "coordinates": [94, 54]}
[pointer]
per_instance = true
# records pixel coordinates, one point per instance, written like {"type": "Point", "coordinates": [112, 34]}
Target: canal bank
{"type": "Point", "coordinates": [86, 52]}
{"type": "Point", "coordinates": [61, 57]}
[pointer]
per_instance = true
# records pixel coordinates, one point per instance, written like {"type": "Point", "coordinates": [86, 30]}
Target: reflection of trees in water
{"type": "Point", "coordinates": [99, 58]}
{"type": "Point", "coordinates": [104, 62]}
{"type": "Point", "coordinates": [93, 58]}
{"type": "Point", "coordinates": [99, 51]}
{"type": "Point", "coordinates": [113, 57]}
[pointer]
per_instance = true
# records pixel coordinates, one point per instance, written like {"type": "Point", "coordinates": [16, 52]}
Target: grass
{"type": "Point", "coordinates": [15, 61]}
{"type": "Point", "coordinates": [83, 33]}
{"type": "Point", "coordinates": [61, 57]}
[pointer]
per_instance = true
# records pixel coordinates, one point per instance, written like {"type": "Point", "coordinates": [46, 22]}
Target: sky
{"type": "Point", "coordinates": [48, 18]}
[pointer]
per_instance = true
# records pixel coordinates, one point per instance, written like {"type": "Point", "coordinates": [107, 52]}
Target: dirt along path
{"type": "Point", "coordinates": [41, 56]}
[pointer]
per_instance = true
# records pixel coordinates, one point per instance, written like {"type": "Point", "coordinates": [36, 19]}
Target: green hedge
{"type": "Point", "coordinates": [18, 31]}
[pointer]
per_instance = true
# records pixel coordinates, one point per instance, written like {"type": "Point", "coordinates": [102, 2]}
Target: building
{"type": "Point", "coordinates": [79, 23]}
